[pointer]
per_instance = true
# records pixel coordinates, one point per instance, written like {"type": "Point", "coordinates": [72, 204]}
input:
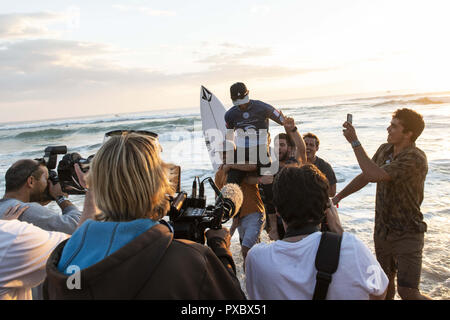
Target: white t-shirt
{"type": "Point", "coordinates": [285, 270]}
{"type": "Point", "coordinates": [24, 250]}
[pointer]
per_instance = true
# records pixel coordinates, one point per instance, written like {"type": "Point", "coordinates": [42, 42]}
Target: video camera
{"type": "Point", "coordinates": [65, 173]}
{"type": "Point", "coordinates": [190, 216]}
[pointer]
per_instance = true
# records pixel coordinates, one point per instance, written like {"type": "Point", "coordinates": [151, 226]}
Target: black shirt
{"type": "Point", "coordinates": [326, 169]}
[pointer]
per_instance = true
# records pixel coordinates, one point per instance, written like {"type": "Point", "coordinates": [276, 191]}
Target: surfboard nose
{"type": "Point", "coordinates": [205, 94]}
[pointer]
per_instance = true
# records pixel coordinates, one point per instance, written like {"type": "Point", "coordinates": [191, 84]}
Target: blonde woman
{"type": "Point", "coordinates": [130, 254]}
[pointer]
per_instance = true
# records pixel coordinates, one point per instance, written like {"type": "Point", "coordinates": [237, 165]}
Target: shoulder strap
{"type": "Point", "coordinates": [327, 261]}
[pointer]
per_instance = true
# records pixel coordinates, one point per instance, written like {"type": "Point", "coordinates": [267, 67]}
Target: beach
{"type": "Point", "coordinates": [181, 138]}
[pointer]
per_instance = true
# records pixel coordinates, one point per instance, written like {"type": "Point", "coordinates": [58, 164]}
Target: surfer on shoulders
{"type": "Point", "coordinates": [248, 123]}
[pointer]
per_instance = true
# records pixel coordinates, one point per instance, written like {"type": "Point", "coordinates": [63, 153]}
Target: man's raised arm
{"type": "Point", "coordinates": [292, 132]}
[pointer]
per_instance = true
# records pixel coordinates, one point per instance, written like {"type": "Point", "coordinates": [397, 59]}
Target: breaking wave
{"type": "Point", "coordinates": [421, 101]}
{"type": "Point", "coordinates": [102, 127]}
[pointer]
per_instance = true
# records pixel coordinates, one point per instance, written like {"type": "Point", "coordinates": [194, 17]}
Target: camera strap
{"type": "Point", "coordinates": [327, 261]}
{"type": "Point", "coordinates": [167, 224]}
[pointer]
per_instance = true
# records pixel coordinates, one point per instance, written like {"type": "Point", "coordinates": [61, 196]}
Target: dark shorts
{"type": "Point", "coordinates": [401, 254]}
{"type": "Point", "coordinates": [249, 155]}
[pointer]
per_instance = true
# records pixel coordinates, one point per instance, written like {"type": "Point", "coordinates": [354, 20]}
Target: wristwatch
{"type": "Point", "coordinates": [295, 129]}
{"type": "Point", "coordinates": [355, 144]}
{"type": "Point", "coordinates": [60, 199]}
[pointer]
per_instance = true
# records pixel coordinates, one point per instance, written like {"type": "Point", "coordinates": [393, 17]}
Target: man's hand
{"type": "Point", "coordinates": [223, 233]}
{"type": "Point", "coordinates": [336, 199]}
{"type": "Point", "coordinates": [289, 124]}
{"type": "Point", "coordinates": [82, 177]}
{"type": "Point", "coordinates": [55, 190]}
{"type": "Point", "coordinates": [13, 213]}
{"type": "Point", "coordinates": [349, 132]}
{"type": "Point", "coordinates": [266, 179]}
{"type": "Point", "coordinates": [225, 167]}
{"type": "Point", "coordinates": [334, 224]}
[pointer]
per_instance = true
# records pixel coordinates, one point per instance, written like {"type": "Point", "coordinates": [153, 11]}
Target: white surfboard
{"type": "Point", "coordinates": [212, 112]}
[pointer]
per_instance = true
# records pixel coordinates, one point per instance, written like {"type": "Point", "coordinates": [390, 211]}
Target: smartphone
{"type": "Point", "coordinates": [349, 118]}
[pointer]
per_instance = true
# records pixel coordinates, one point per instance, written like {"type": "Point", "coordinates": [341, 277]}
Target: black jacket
{"type": "Point", "coordinates": [152, 266]}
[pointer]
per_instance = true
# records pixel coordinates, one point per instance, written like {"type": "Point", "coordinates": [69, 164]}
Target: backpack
{"type": "Point", "coordinates": [327, 261]}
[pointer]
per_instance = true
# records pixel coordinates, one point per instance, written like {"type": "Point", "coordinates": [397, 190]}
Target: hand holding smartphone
{"type": "Point", "coordinates": [350, 118]}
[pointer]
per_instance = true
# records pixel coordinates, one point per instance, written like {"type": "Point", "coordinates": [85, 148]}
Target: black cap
{"type": "Point", "coordinates": [238, 91]}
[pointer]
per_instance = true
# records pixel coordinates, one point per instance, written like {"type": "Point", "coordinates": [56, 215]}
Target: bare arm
{"type": "Point", "coordinates": [90, 209]}
{"type": "Point", "coordinates": [333, 221]}
{"type": "Point", "coordinates": [371, 171]}
{"type": "Point", "coordinates": [355, 185]}
{"type": "Point", "coordinates": [55, 191]}
{"type": "Point", "coordinates": [332, 191]}
{"type": "Point", "coordinates": [300, 148]}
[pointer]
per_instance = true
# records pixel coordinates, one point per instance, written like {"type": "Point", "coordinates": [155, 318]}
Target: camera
{"type": "Point", "coordinates": [67, 175]}
{"type": "Point", "coordinates": [65, 171]}
{"type": "Point", "coordinates": [190, 216]}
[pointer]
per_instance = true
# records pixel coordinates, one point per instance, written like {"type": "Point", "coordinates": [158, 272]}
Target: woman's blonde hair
{"type": "Point", "coordinates": [128, 179]}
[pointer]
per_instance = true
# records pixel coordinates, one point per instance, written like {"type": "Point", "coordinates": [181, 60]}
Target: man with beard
{"type": "Point", "coordinates": [312, 146]}
{"type": "Point", "coordinates": [291, 152]}
{"type": "Point", "coordinates": [399, 168]}
{"type": "Point", "coordinates": [27, 184]}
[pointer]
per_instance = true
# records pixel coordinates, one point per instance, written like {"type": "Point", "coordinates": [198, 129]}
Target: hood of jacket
{"type": "Point", "coordinates": [122, 270]}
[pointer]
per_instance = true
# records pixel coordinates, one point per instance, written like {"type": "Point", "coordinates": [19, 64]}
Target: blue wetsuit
{"type": "Point", "coordinates": [256, 116]}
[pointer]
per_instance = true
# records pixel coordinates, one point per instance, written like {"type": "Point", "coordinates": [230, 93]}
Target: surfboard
{"type": "Point", "coordinates": [212, 112]}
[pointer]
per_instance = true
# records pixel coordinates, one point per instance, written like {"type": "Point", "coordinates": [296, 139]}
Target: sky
{"type": "Point", "coordinates": [79, 58]}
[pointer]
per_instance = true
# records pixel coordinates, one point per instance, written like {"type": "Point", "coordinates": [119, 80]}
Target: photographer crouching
{"type": "Point", "coordinates": [131, 253]}
{"type": "Point", "coordinates": [27, 184]}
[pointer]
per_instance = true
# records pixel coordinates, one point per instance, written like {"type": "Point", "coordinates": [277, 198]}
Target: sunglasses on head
{"type": "Point", "coordinates": [116, 133]}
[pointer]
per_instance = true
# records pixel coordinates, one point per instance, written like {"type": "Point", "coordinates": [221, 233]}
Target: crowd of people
{"type": "Point", "coordinates": [120, 247]}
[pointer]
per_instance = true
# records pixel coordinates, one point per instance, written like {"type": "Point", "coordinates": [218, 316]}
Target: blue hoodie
{"type": "Point", "coordinates": [95, 240]}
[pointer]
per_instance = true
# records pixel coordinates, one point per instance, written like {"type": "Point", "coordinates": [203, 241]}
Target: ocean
{"type": "Point", "coordinates": [183, 144]}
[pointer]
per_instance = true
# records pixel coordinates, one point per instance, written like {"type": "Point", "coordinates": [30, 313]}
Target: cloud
{"type": "Point", "coordinates": [36, 25]}
{"type": "Point", "coordinates": [145, 10]}
{"type": "Point", "coordinates": [229, 58]}
{"type": "Point", "coordinates": [227, 65]}
{"type": "Point", "coordinates": [43, 68]}
{"type": "Point", "coordinates": [51, 69]}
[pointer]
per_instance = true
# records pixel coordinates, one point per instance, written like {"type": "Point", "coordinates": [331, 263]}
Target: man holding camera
{"type": "Point", "coordinates": [27, 183]}
{"type": "Point", "coordinates": [399, 168]}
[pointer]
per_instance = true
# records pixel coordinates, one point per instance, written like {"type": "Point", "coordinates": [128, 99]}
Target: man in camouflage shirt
{"type": "Point", "coordinates": [399, 168]}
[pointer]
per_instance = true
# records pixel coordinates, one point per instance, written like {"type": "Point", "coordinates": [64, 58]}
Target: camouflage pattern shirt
{"type": "Point", "coordinates": [397, 207]}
